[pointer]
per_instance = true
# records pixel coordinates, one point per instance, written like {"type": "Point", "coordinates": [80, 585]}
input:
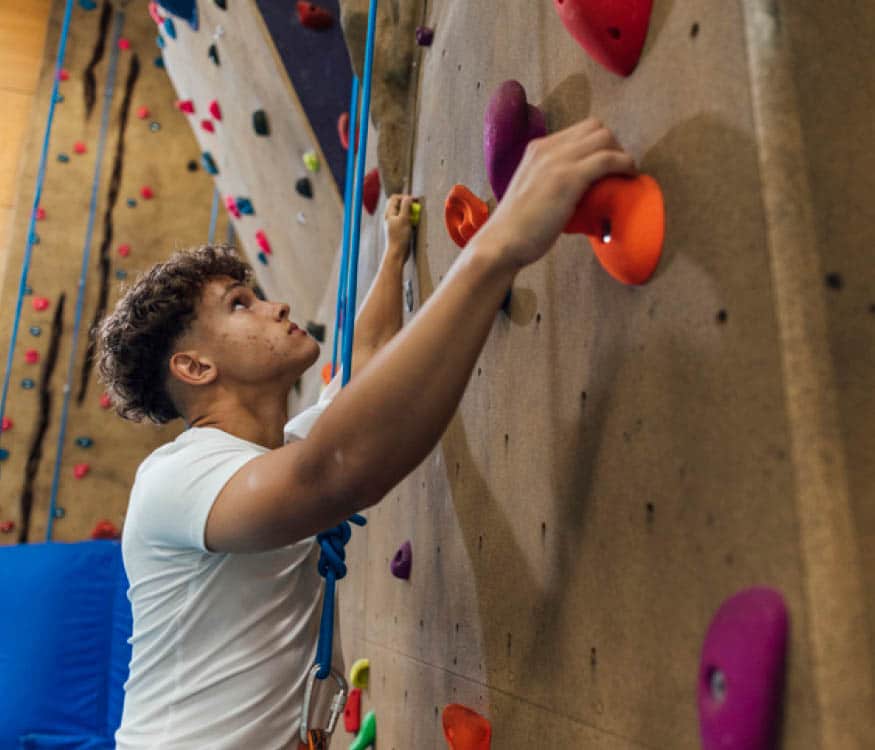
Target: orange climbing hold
{"type": "Point", "coordinates": [326, 373]}
{"type": "Point", "coordinates": [624, 219]}
{"type": "Point", "coordinates": [371, 190]}
{"type": "Point", "coordinates": [464, 214]}
{"type": "Point", "coordinates": [465, 729]}
{"type": "Point", "coordinates": [314, 17]}
{"type": "Point", "coordinates": [105, 530]}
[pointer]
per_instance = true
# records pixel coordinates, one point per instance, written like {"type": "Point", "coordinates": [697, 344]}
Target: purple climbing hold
{"type": "Point", "coordinates": [400, 564]}
{"type": "Point", "coordinates": [741, 673]}
{"type": "Point", "coordinates": [424, 36]}
{"type": "Point", "coordinates": [509, 124]}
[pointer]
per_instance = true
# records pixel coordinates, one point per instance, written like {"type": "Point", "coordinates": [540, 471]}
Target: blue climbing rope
{"type": "Point", "coordinates": [331, 561]}
{"type": "Point", "coordinates": [214, 216]}
{"type": "Point", "coordinates": [347, 214]}
{"type": "Point", "coordinates": [118, 24]}
{"type": "Point", "coordinates": [40, 177]}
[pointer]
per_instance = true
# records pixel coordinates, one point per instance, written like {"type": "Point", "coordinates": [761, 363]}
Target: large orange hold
{"type": "Point", "coordinates": [464, 214]}
{"type": "Point", "coordinates": [624, 219]}
{"type": "Point", "coordinates": [465, 729]}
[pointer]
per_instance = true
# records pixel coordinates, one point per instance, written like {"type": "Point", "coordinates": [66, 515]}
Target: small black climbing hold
{"type": "Point", "coordinates": [214, 54]}
{"type": "Point", "coordinates": [304, 187]}
{"type": "Point", "coordinates": [259, 122]}
{"type": "Point", "coordinates": [192, 165]}
{"type": "Point", "coordinates": [834, 281]}
{"type": "Point", "coordinates": [223, 4]}
{"type": "Point", "coordinates": [316, 330]}
{"type": "Point", "coordinates": [722, 316]}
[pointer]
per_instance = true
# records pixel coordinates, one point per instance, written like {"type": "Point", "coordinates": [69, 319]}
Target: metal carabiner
{"type": "Point", "coordinates": [337, 704]}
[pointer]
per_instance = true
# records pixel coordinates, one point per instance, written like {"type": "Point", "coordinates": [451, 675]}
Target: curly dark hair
{"type": "Point", "coordinates": [135, 342]}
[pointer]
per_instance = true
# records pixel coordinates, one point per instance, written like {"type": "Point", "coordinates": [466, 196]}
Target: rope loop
{"type": "Point", "coordinates": [332, 543]}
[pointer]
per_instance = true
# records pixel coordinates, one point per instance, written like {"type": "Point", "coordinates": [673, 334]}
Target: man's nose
{"type": "Point", "coordinates": [282, 312]}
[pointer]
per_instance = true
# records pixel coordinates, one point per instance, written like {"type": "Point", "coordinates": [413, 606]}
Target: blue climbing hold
{"type": "Point", "coordinates": [4, 454]}
{"type": "Point", "coordinates": [209, 164]}
{"type": "Point", "coordinates": [87, 4]}
{"type": "Point", "coordinates": [28, 290]}
{"type": "Point", "coordinates": [262, 258]}
{"type": "Point", "coordinates": [59, 99]}
{"type": "Point", "coordinates": [84, 442]}
{"type": "Point", "coordinates": [170, 28]}
{"type": "Point", "coordinates": [159, 40]}
{"type": "Point", "coordinates": [27, 384]}
{"type": "Point", "coordinates": [35, 330]}
{"type": "Point", "coordinates": [34, 238]}
{"type": "Point", "coordinates": [244, 206]}
{"type": "Point", "coordinates": [132, 202]}
{"type": "Point", "coordinates": [63, 158]}
{"type": "Point", "coordinates": [185, 9]}
{"type": "Point", "coordinates": [121, 274]}
{"type": "Point", "coordinates": [159, 62]}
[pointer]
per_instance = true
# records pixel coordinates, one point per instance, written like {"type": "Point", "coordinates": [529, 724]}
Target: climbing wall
{"type": "Point", "coordinates": [152, 159]}
{"type": "Point", "coordinates": [626, 458]}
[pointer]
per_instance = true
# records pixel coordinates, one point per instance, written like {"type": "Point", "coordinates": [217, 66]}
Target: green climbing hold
{"type": "Point", "coordinates": [262, 258]}
{"type": "Point", "coordinates": [63, 158]}
{"type": "Point", "coordinates": [259, 122]}
{"type": "Point", "coordinates": [214, 54]}
{"type": "Point", "coordinates": [209, 164]}
{"type": "Point", "coordinates": [367, 735]}
{"type": "Point", "coordinates": [304, 187]}
{"type": "Point", "coordinates": [415, 213]}
{"type": "Point", "coordinates": [311, 161]}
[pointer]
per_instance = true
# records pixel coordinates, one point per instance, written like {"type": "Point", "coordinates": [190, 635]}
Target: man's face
{"type": "Point", "coordinates": [251, 341]}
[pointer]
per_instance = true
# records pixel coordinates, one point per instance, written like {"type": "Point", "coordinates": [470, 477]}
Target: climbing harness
{"type": "Point", "coordinates": [331, 560]}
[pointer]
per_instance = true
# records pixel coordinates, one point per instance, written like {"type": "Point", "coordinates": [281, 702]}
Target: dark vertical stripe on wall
{"type": "Point", "coordinates": [96, 57]}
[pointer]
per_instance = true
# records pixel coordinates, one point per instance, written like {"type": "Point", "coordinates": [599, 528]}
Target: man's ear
{"type": "Point", "coordinates": [192, 369]}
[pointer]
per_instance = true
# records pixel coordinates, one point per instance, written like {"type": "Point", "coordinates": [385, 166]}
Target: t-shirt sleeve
{"type": "Point", "coordinates": [179, 490]}
{"type": "Point", "coordinates": [298, 427]}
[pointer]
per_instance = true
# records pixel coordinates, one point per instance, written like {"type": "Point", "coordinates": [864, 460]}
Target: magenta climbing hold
{"type": "Point", "coordinates": [611, 31]}
{"type": "Point", "coordinates": [509, 124]}
{"type": "Point", "coordinates": [146, 192]}
{"type": "Point", "coordinates": [124, 250]}
{"type": "Point", "coordinates": [124, 44]}
{"type": "Point", "coordinates": [63, 74]}
{"type": "Point", "coordinates": [352, 712]}
{"type": "Point", "coordinates": [371, 190]}
{"type": "Point", "coordinates": [40, 213]}
{"type": "Point", "coordinates": [143, 112]}
{"type": "Point", "coordinates": [81, 470]}
{"type": "Point", "coordinates": [155, 13]}
{"type": "Point", "coordinates": [185, 105]}
{"type": "Point", "coordinates": [741, 672]}
{"type": "Point", "coordinates": [105, 401]}
{"type": "Point", "coordinates": [79, 147]}
{"type": "Point", "coordinates": [215, 110]}
{"type": "Point", "coordinates": [261, 239]}
{"type": "Point", "coordinates": [314, 17]}
{"type": "Point", "coordinates": [401, 562]}
{"type": "Point", "coordinates": [40, 303]}
{"type": "Point", "coordinates": [31, 356]}
{"type": "Point", "coordinates": [6, 424]}
{"type": "Point", "coordinates": [208, 126]}
{"type": "Point", "coordinates": [231, 205]}
{"type": "Point", "coordinates": [424, 36]}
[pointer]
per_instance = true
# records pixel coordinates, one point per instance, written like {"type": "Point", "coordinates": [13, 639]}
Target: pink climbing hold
{"type": "Point", "coordinates": [31, 356]}
{"type": "Point", "coordinates": [611, 31]}
{"type": "Point", "coordinates": [352, 712]}
{"type": "Point", "coordinates": [155, 13]}
{"type": "Point", "coordinates": [105, 401]}
{"type": "Point", "coordinates": [124, 44]}
{"type": "Point", "coordinates": [208, 126]}
{"type": "Point", "coordinates": [185, 105]}
{"type": "Point", "coordinates": [63, 74]}
{"type": "Point", "coordinates": [143, 112]}
{"type": "Point", "coordinates": [401, 562]}
{"type": "Point", "coordinates": [146, 192]}
{"type": "Point", "coordinates": [509, 124]}
{"type": "Point", "coordinates": [79, 147]}
{"type": "Point", "coordinates": [40, 304]}
{"type": "Point", "coordinates": [124, 250]}
{"type": "Point", "coordinates": [6, 424]}
{"type": "Point", "coordinates": [261, 239]}
{"type": "Point", "coordinates": [371, 190]}
{"type": "Point", "coordinates": [81, 470]}
{"type": "Point", "coordinates": [231, 205]}
{"type": "Point", "coordinates": [40, 214]}
{"type": "Point", "coordinates": [215, 110]}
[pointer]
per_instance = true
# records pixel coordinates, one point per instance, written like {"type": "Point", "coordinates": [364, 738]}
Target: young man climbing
{"type": "Point", "coordinates": [218, 541]}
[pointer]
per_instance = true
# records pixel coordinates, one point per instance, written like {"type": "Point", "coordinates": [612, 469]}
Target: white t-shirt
{"type": "Point", "coordinates": [222, 643]}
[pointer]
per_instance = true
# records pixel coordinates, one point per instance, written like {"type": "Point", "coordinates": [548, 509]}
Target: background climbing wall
{"type": "Point", "coordinates": [158, 152]}
{"type": "Point", "coordinates": [626, 458]}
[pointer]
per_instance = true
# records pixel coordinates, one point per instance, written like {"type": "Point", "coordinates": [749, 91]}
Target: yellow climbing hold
{"type": "Point", "coordinates": [358, 674]}
{"type": "Point", "coordinates": [311, 161]}
{"type": "Point", "coordinates": [415, 213]}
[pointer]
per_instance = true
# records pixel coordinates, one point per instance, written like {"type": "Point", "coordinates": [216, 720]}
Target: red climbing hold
{"type": "Point", "coordinates": [314, 17]}
{"type": "Point", "coordinates": [352, 712]}
{"type": "Point", "coordinates": [465, 729]}
{"type": "Point", "coordinates": [208, 126]}
{"type": "Point", "coordinates": [79, 147]}
{"type": "Point", "coordinates": [7, 526]}
{"type": "Point", "coordinates": [31, 356]}
{"type": "Point", "coordinates": [464, 214]}
{"type": "Point", "coordinates": [215, 110]}
{"type": "Point", "coordinates": [611, 31]}
{"type": "Point", "coordinates": [261, 239]}
{"type": "Point", "coordinates": [142, 112]}
{"type": "Point", "coordinates": [155, 13]}
{"type": "Point", "coordinates": [6, 424]}
{"type": "Point", "coordinates": [63, 74]}
{"type": "Point", "coordinates": [343, 131]}
{"type": "Point", "coordinates": [231, 205]}
{"type": "Point", "coordinates": [124, 250]}
{"type": "Point", "coordinates": [80, 470]}
{"type": "Point", "coordinates": [124, 44]}
{"type": "Point", "coordinates": [371, 190]}
{"type": "Point", "coordinates": [146, 193]}
{"type": "Point", "coordinates": [185, 105]}
{"type": "Point", "coordinates": [105, 530]}
{"type": "Point", "coordinates": [40, 214]}
{"type": "Point", "coordinates": [105, 401]}
{"type": "Point", "coordinates": [40, 304]}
